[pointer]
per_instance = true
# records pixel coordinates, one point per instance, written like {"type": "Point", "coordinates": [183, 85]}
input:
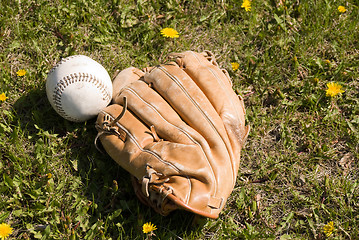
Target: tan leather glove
{"type": "Point", "coordinates": [178, 128]}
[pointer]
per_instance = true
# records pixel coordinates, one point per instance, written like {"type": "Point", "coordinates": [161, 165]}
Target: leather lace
{"type": "Point", "coordinates": [108, 127]}
{"type": "Point", "coordinates": [151, 177]}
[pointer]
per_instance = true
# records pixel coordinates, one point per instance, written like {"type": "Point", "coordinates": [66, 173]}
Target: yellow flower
{"type": "Point", "coordinates": [3, 97]}
{"type": "Point", "coordinates": [49, 175]}
{"type": "Point", "coordinates": [148, 227]}
{"type": "Point", "coordinates": [246, 5]}
{"type": "Point", "coordinates": [334, 89]}
{"type": "Point", "coordinates": [169, 33]}
{"type": "Point", "coordinates": [21, 72]}
{"type": "Point", "coordinates": [329, 228]}
{"type": "Point", "coordinates": [235, 66]}
{"type": "Point", "coordinates": [342, 9]}
{"type": "Point", "coordinates": [327, 61]}
{"type": "Point", "coordinates": [5, 230]}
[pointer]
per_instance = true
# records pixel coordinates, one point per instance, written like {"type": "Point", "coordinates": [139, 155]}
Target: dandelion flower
{"type": "Point", "coordinates": [49, 175]}
{"type": "Point", "coordinates": [148, 227]}
{"type": "Point", "coordinates": [334, 89]}
{"type": "Point", "coordinates": [342, 9]}
{"type": "Point", "coordinates": [3, 97]}
{"type": "Point", "coordinates": [5, 230]}
{"type": "Point", "coordinates": [246, 5]}
{"type": "Point", "coordinates": [169, 33]}
{"type": "Point", "coordinates": [235, 66]}
{"type": "Point", "coordinates": [328, 228]}
{"type": "Point", "coordinates": [21, 72]}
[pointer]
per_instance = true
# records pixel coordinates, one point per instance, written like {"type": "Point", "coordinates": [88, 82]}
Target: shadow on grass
{"type": "Point", "coordinates": [118, 209]}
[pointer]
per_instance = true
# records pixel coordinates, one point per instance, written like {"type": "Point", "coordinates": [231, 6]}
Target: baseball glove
{"type": "Point", "coordinates": [178, 129]}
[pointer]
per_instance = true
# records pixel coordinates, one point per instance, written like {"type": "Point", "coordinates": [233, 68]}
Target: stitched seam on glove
{"type": "Point", "coordinates": [233, 105]}
{"type": "Point", "coordinates": [205, 116]}
{"type": "Point", "coordinates": [220, 83]}
{"type": "Point", "coordinates": [142, 149]}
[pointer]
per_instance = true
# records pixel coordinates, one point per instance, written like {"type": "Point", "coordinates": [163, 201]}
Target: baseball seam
{"type": "Point", "coordinates": [73, 78]}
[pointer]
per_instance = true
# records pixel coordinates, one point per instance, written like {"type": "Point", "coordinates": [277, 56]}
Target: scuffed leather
{"type": "Point", "coordinates": [181, 135]}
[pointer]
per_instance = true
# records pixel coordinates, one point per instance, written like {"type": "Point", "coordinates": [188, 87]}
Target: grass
{"type": "Point", "coordinates": [299, 168]}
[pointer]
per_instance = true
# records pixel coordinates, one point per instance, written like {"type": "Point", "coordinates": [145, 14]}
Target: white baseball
{"type": "Point", "coordinates": [78, 88]}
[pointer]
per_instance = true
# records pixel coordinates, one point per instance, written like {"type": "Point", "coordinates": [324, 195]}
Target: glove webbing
{"type": "Point", "coordinates": [109, 128]}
